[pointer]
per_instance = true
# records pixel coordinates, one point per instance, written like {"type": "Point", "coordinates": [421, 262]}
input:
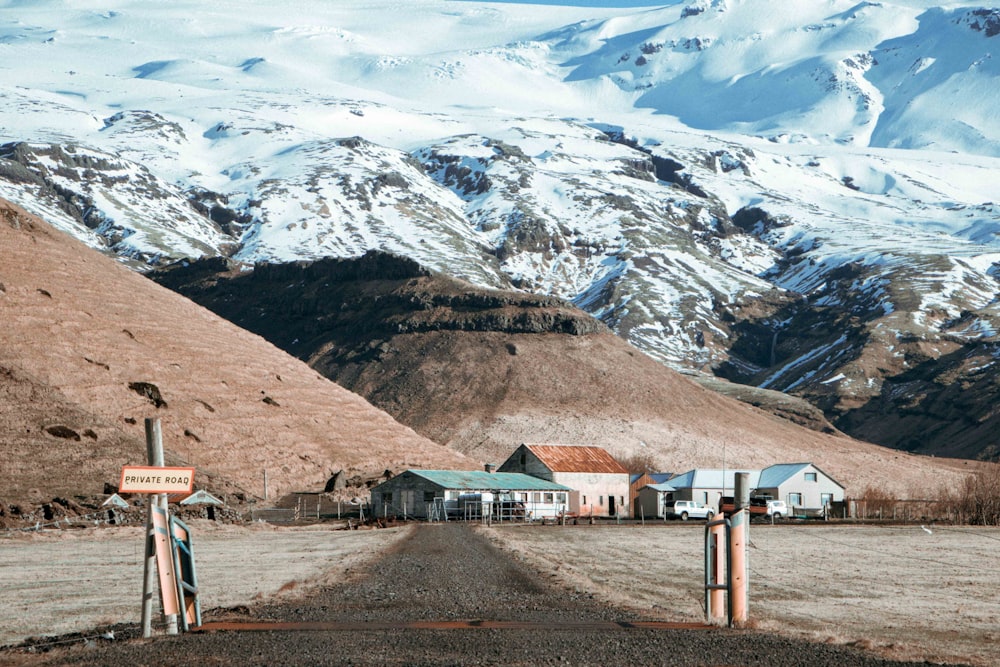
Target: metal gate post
{"type": "Point", "coordinates": [717, 581]}
{"type": "Point", "coordinates": [739, 591]}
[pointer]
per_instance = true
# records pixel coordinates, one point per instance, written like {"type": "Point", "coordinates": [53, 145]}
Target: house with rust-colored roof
{"type": "Point", "coordinates": [600, 483]}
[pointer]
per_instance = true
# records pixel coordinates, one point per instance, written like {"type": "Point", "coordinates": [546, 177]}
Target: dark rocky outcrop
{"type": "Point", "coordinates": [348, 308]}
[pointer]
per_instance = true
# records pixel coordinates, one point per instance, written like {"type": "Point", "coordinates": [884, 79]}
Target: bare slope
{"type": "Point", "coordinates": [483, 370]}
{"type": "Point", "coordinates": [88, 349]}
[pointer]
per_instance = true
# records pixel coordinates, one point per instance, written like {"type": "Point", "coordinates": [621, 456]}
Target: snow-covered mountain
{"type": "Point", "coordinates": [795, 194]}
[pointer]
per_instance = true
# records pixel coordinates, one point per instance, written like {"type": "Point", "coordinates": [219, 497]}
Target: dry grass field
{"type": "Point", "coordinates": [58, 582]}
{"type": "Point", "coordinates": [898, 590]}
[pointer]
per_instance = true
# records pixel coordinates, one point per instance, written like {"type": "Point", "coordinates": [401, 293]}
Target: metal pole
{"type": "Point", "coordinates": [741, 499]}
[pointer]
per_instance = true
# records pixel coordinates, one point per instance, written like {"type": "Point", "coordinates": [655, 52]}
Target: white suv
{"type": "Point", "coordinates": [688, 509]}
{"type": "Point", "coordinates": [777, 509]}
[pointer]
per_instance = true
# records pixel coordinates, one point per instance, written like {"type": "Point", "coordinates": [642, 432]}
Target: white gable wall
{"type": "Point", "coordinates": [801, 490]}
{"type": "Point", "coordinates": [604, 494]}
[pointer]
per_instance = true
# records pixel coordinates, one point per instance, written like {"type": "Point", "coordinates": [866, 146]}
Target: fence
{"type": "Point", "coordinates": [906, 511]}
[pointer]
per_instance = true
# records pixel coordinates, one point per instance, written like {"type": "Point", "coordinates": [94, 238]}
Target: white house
{"type": "Point", "coordinates": [469, 494]}
{"type": "Point", "coordinates": [800, 485]}
{"type": "Point", "coordinates": [600, 483]}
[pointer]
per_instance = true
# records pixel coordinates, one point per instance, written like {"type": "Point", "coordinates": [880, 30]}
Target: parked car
{"type": "Point", "coordinates": [777, 509]}
{"type": "Point", "coordinates": [687, 509]}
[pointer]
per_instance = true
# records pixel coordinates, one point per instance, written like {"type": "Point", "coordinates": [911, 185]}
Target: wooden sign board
{"type": "Point", "coordinates": [153, 479]}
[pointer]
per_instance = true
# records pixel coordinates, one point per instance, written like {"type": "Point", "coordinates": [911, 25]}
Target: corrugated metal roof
{"type": "Point", "coordinates": [773, 476]}
{"type": "Point", "coordinates": [576, 458]}
{"type": "Point", "coordinates": [487, 481]}
{"type": "Point", "coordinates": [706, 478]}
{"type": "Point", "coordinates": [660, 487]}
{"type": "Point", "coordinates": [776, 475]}
{"type": "Point", "coordinates": [657, 477]}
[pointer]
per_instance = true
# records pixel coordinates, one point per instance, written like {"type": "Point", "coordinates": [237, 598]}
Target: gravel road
{"type": "Point", "coordinates": [446, 574]}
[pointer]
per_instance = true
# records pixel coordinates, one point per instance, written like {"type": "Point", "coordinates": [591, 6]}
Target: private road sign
{"type": "Point", "coordinates": [153, 479]}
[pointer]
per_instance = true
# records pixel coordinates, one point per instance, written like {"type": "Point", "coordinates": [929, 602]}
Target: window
{"type": "Point", "coordinates": [386, 497]}
{"type": "Point", "coordinates": [536, 497]}
{"type": "Point", "coordinates": [584, 500]}
{"type": "Point", "coordinates": [795, 499]}
{"type": "Point", "coordinates": [548, 498]}
{"type": "Point", "coordinates": [561, 498]}
{"type": "Point", "coordinates": [825, 499]}
{"type": "Point", "coordinates": [428, 496]}
{"type": "Point", "coordinates": [704, 498]}
{"type": "Point", "coordinates": [600, 501]}
{"type": "Point", "coordinates": [810, 477]}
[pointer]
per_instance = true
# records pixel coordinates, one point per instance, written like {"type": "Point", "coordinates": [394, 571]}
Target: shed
{"type": "Point", "coordinates": [651, 500]}
{"type": "Point", "coordinates": [600, 483]}
{"type": "Point", "coordinates": [801, 485]}
{"type": "Point", "coordinates": [639, 480]}
{"type": "Point", "coordinates": [469, 494]}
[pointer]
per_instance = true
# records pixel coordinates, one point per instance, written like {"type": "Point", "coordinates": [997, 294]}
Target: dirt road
{"type": "Point", "coordinates": [414, 607]}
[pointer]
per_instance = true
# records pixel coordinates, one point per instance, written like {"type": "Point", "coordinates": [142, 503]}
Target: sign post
{"type": "Point", "coordinates": [157, 480]}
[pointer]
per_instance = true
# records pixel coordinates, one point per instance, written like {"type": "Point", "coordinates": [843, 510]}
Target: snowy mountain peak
{"type": "Point", "coordinates": [792, 193]}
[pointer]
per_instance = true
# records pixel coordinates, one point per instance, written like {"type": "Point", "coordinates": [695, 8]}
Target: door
{"type": "Point", "coordinates": [611, 505]}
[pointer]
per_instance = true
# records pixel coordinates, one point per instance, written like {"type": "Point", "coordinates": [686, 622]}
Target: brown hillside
{"type": "Point", "coordinates": [484, 370]}
{"type": "Point", "coordinates": [88, 349]}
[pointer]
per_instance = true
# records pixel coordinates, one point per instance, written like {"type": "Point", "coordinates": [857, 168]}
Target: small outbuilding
{"type": "Point", "coordinates": [651, 500]}
{"type": "Point", "coordinates": [600, 483]}
{"type": "Point", "coordinates": [469, 494]}
{"type": "Point", "coordinates": [637, 481]}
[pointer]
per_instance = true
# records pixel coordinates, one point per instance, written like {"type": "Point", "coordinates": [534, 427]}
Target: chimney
{"type": "Point", "coordinates": [491, 467]}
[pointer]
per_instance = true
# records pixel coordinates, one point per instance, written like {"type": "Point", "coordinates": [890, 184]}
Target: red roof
{"type": "Point", "coordinates": [576, 458]}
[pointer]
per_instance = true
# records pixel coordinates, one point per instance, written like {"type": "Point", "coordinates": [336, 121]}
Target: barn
{"type": "Point", "coordinates": [600, 483]}
{"type": "Point", "coordinates": [469, 494]}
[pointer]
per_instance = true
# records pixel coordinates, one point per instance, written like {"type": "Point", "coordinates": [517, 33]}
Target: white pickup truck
{"type": "Point", "coordinates": [777, 509]}
{"type": "Point", "coordinates": [687, 509]}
